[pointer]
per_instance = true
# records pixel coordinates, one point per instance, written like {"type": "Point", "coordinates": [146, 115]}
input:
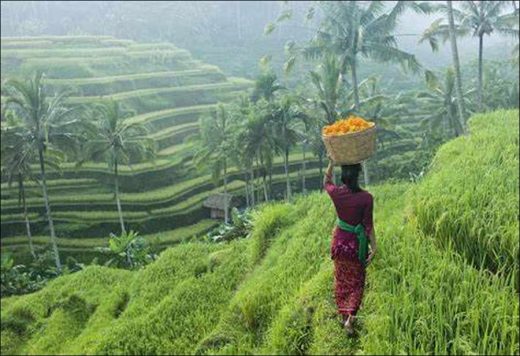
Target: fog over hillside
{"type": "Point", "coordinates": [236, 24]}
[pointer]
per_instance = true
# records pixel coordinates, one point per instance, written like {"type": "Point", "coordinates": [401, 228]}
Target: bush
{"type": "Point", "coordinates": [239, 228]}
{"type": "Point", "coordinates": [128, 251]}
{"type": "Point", "coordinates": [21, 279]}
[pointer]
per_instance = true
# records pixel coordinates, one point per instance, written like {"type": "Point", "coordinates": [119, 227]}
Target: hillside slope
{"type": "Point", "coordinates": [167, 89]}
{"type": "Point", "coordinates": [272, 292]}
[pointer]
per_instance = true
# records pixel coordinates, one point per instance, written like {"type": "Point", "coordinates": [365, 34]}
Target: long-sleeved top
{"type": "Point", "coordinates": [354, 208]}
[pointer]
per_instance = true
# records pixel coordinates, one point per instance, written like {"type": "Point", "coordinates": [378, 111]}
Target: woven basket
{"type": "Point", "coordinates": [351, 148]}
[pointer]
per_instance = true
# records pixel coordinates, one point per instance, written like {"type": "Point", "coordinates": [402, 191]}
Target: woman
{"type": "Point", "coordinates": [349, 242]}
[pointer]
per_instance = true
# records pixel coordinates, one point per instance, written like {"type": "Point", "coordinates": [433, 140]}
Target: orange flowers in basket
{"type": "Point", "coordinates": [343, 126]}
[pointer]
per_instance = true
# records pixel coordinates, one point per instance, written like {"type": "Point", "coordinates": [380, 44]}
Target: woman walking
{"type": "Point", "coordinates": [351, 236]}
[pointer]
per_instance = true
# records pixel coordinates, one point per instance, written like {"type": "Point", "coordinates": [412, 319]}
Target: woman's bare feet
{"type": "Point", "coordinates": [349, 325]}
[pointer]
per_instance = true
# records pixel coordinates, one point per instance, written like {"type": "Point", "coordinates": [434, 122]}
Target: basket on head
{"type": "Point", "coordinates": [351, 148]}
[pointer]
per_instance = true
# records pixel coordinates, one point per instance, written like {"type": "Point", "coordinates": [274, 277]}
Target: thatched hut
{"type": "Point", "coordinates": [217, 203]}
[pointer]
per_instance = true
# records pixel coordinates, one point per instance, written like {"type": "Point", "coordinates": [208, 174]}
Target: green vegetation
{"type": "Point", "coordinates": [272, 292]}
{"type": "Point", "coordinates": [473, 175]}
{"type": "Point", "coordinates": [103, 135]}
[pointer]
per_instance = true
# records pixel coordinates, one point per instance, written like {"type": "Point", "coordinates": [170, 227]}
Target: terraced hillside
{"type": "Point", "coordinates": [168, 90]}
{"type": "Point", "coordinates": [271, 293]}
{"type": "Point", "coordinates": [165, 88]}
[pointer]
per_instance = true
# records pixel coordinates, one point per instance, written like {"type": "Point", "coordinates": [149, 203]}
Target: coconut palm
{"type": "Point", "coordinates": [354, 29]}
{"type": "Point", "coordinates": [380, 107]}
{"type": "Point", "coordinates": [501, 86]}
{"type": "Point", "coordinates": [480, 18]}
{"type": "Point", "coordinates": [216, 145]}
{"type": "Point", "coordinates": [329, 86]}
{"type": "Point", "coordinates": [266, 85]}
{"type": "Point", "coordinates": [456, 65]}
{"type": "Point", "coordinates": [47, 124]}
{"type": "Point", "coordinates": [439, 104]}
{"type": "Point", "coordinates": [258, 139]}
{"type": "Point", "coordinates": [117, 141]}
{"type": "Point", "coordinates": [332, 95]}
{"type": "Point", "coordinates": [239, 110]}
{"type": "Point", "coordinates": [17, 156]}
{"type": "Point", "coordinates": [286, 117]}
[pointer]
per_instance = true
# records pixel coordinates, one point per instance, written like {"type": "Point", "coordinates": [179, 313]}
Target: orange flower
{"type": "Point", "coordinates": [350, 124]}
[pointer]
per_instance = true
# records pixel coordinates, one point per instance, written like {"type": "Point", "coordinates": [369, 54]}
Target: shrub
{"type": "Point", "coordinates": [127, 251]}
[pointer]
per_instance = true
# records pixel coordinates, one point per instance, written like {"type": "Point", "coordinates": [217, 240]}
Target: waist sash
{"type": "Point", "coordinates": [359, 230]}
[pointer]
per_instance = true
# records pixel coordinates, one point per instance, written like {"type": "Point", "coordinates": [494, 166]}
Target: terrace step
{"type": "Point", "coordinates": [150, 100]}
{"type": "Point", "coordinates": [88, 224]}
{"type": "Point", "coordinates": [169, 117]}
{"type": "Point", "coordinates": [97, 86]}
{"type": "Point", "coordinates": [145, 201]}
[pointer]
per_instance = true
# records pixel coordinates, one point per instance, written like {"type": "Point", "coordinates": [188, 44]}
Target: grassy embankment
{"type": "Point", "coordinates": [272, 293]}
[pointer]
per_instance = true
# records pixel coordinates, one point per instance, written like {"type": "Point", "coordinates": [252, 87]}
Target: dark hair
{"type": "Point", "coordinates": [350, 176]}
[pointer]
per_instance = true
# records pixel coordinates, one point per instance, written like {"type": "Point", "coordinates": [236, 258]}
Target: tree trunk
{"type": "Point", "coordinates": [320, 160]}
{"type": "Point", "coordinates": [264, 180]}
{"type": "Point", "coordinates": [246, 188]}
{"type": "Point", "coordinates": [303, 168]}
{"type": "Point", "coordinates": [480, 55]}
{"type": "Point", "coordinates": [226, 208]}
{"type": "Point", "coordinates": [271, 181]}
{"type": "Point", "coordinates": [365, 173]}
{"type": "Point", "coordinates": [26, 218]}
{"type": "Point", "coordinates": [265, 187]}
{"type": "Point", "coordinates": [252, 174]}
{"type": "Point", "coordinates": [48, 208]}
{"type": "Point", "coordinates": [456, 64]}
{"type": "Point", "coordinates": [287, 180]}
{"type": "Point", "coordinates": [355, 85]}
{"type": "Point", "coordinates": [356, 107]}
{"type": "Point", "coordinates": [118, 202]}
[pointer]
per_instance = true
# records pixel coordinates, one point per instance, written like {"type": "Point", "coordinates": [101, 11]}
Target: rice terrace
{"type": "Point", "coordinates": [260, 177]}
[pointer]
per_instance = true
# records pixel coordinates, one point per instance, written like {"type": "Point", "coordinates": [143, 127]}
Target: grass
{"type": "Point", "coordinates": [156, 91]}
{"type": "Point", "coordinates": [132, 77]}
{"type": "Point", "coordinates": [471, 175]}
{"type": "Point", "coordinates": [155, 196]}
{"type": "Point", "coordinates": [162, 238]}
{"type": "Point", "coordinates": [272, 292]}
{"type": "Point", "coordinates": [154, 116]}
{"type": "Point", "coordinates": [62, 53]}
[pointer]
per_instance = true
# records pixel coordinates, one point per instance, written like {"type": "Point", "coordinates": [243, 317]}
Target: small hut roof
{"type": "Point", "coordinates": [217, 201]}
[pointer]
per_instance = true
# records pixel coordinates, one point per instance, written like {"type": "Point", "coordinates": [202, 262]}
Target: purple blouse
{"type": "Point", "coordinates": [354, 208]}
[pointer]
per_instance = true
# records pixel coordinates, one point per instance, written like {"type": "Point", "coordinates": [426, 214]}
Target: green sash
{"type": "Point", "coordinates": [359, 230]}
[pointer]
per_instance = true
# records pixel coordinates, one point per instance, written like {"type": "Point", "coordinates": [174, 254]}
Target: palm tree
{"type": "Point", "coordinates": [17, 155]}
{"type": "Point", "coordinates": [380, 107]}
{"type": "Point", "coordinates": [479, 17]}
{"type": "Point", "coordinates": [456, 64]}
{"type": "Point", "coordinates": [258, 139]}
{"type": "Point", "coordinates": [501, 86]}
{"type": "Point", "coordinates": [286, 117]}
{"type": "Point", "coordinates": [327, 81]}
{"type": "Point", "coordinates": [351, 29]}
{"type": "Point", "coordinates": [266, 85]}
{"type": "Point", "coordinates": [216, 146]}
{"type": "Point", "coordinates": [239, 110]}
{"type": "Point", "coordinates": [329, 86]}
{"type": "Point", "coordinates": [116, 141]}
{"type": "Point", "coordinates": [331, 94]}
{"type": "Point", "coordinates": [46, 122]}
{"type": "Point", "coordinates": [439, 104]}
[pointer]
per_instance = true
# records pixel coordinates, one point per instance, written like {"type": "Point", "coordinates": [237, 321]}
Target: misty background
{"type": "Point", "coordinates": [229, 34]}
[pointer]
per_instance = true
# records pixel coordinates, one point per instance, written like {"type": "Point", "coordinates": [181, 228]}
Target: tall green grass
{"type": "Point", "coordinates": [272, 293]}
{"type": "Point", "coordinates": [470, 199]}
